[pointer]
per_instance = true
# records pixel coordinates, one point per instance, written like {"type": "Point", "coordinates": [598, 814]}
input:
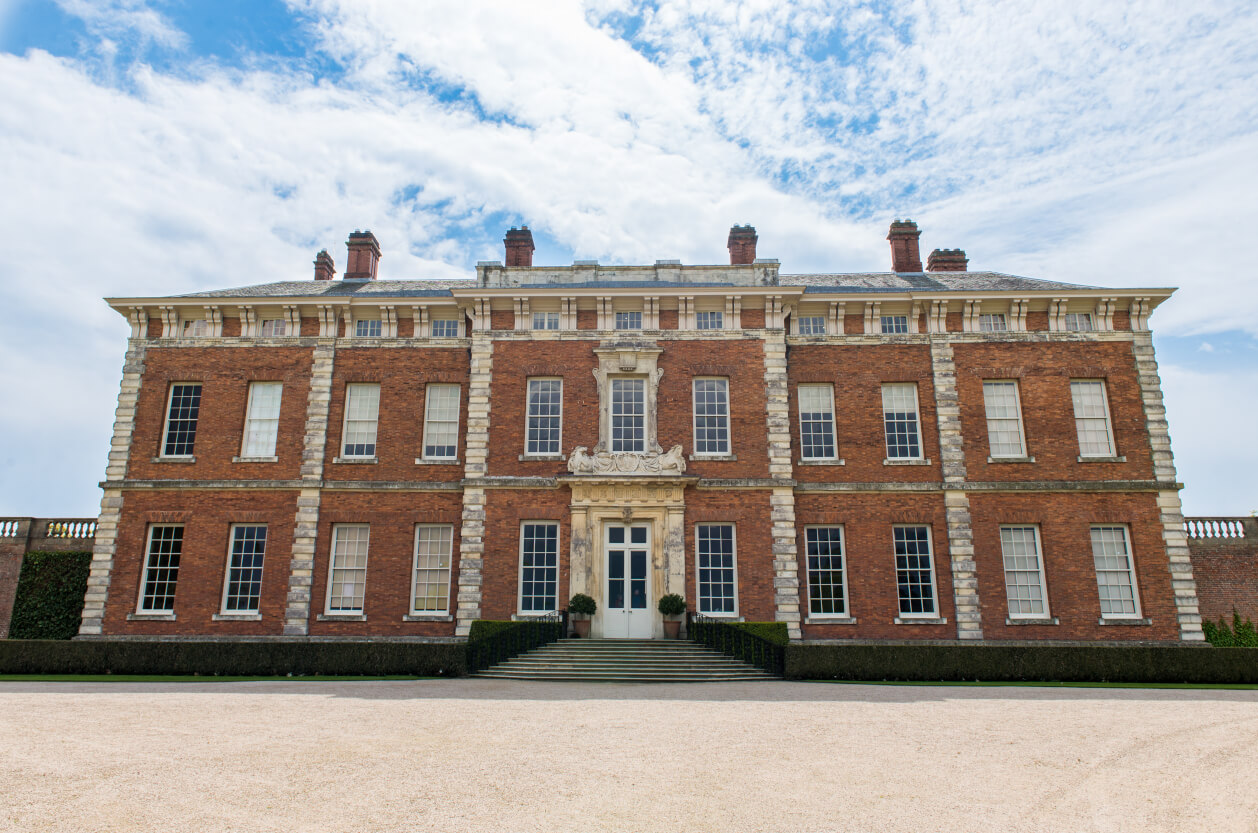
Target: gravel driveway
{"type": "Point", "coordinates": [498, 755]}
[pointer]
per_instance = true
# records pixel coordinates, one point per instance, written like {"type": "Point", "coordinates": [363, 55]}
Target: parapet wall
{"type": "Point", "coordinates": [18, 536]}
{"type": "Point", "coordinates": [1224, 555]}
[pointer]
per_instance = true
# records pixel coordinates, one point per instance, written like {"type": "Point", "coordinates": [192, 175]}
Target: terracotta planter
{"type": "Point", "coordinates": [671, 628]}
{"type": "Point", "coordinates": [582, 627]}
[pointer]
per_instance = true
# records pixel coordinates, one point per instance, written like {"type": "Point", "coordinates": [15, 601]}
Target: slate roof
{"type": "Point", "coordinates": [839, 282]}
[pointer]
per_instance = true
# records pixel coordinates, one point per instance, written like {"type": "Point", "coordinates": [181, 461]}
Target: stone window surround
{"type": "Point", "coordinates": [628, 358]}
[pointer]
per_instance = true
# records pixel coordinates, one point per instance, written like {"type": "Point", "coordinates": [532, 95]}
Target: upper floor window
{"type": "Point", "coordinates": [628, 321]}
{"type": "Point", "coordinates": [914, 571]}
{"type": "Point", "coordinates": [1079, 322]}
{"type": "Point", "coordinates": [1115, 573]}
{"type": "Point", "coordinates": [895, 323]}
{"type": "Point", "coordinates": [709, 320]}
{"type": "Point", "coordinates": [161, 569]}
{"type": "Point", "coordinates": [244, 570]}
{"type": "Point", "coordinates": [430, 583]}
{"type": "Point", "coordinates": [1092, 418]}
{"type": "Point", "coordinates": [367, 328]}
{"type": "Point", "coordinates": [362, 410]}
{"type": "Point", "coordinates": [628, 414]}
{"type": "Point", "coordinates": [1024, 572]}
{"type": "Point", "coordinates": [441, 422]}
{"type": "Point", "coordinates": [445, 328]}
{"type": "Point", "coordinates": [827, 580]}
{"type": "Point", "coordinates": [545, 321]}
{"type": "Point", "coordinates": [812, 325]}
{"type": "Point", "coordinates": [992, 322]}
{"type": "Point", "coordinates": [262, 419]}
{"type": "Point", "coordinates": [816, 422]}
{"type": "Point", "coordinates": [196, 328]}
{"type": "Point", "coordinates": [274, 327]}
{"type": "Point", "coordinates": [545, 416]}
{"type": "Point", "coordinates": [899, 416]}
{"type": "Point", "coordinates": [711, 398]}
{"type": "Point", "coordinates": [181, 419]}
{"type": "Point", "coordinates": [1004, 418]}
{"type": "Point", "coordinates": [347, 576]}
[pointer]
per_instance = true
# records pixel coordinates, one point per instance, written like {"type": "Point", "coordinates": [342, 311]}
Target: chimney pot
{"type": "Point", "coordinates": [905, 254]}
{"type": "Point", "coordinates": [519, 245]}
{"type": "Point", "coordinates": [364, 256]}
{"type": "Point", "coordinates": [947, 260]}
{"type": "Point", "coordinates": [325, 269]}
{"type": "Point", "coordinates": [742, 245]}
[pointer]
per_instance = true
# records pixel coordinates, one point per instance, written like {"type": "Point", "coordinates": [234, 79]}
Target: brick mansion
{"type": "Point", "coordinates": [918, 454]}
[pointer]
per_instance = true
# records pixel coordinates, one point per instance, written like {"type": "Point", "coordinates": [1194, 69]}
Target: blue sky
{"type": "Point", "coordinates": [165, 146]}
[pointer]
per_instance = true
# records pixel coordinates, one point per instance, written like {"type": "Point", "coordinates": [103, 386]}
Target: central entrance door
{"type": "Point", "coordinates": [626, 614]}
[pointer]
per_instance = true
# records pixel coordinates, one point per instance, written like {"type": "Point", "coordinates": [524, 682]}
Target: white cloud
{"type": "Point", "coordinates": [110, 19]}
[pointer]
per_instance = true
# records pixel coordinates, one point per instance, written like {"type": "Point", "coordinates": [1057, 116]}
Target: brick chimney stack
{"type": "Point", "coordinates": [742, 245]}
{"type": "Point", "coordinates": [325, 269]}
{"type": "Point", "coordinates": [364, 256]}
{"type": "Point", "coordinates": [519, 243]}
{"type": "Point", "coordinates": [947, 260]}
{"type": "Point", "coordinates": [905, 255]}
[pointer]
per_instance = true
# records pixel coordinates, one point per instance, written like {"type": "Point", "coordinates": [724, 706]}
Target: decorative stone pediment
{"type": "Point", "coordinates": [627, 358]}
{"type": "Point", "coordinates": [672, 462]}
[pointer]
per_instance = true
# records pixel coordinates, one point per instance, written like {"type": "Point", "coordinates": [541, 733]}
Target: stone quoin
{"type": "Point", "coordinates": [936, 454]}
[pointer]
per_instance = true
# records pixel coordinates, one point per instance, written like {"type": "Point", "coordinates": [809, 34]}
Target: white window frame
{"type": "Point", "coordinates": [882, 324]}
{"type": "Point", "coordinates": [733, 569]}
{"type": "Point", "coordinates": [799, 413]}
{"type": "Point", "coordinates": [694, 416]}
{"type": "Point", "coordinates": [359, 324]}
{"type": "Point", "coordinates": [630, 317]}
{"type": "Point", "coordinates": [170, 401]}
{"type": "Point", "coordinates": [1112, 450]}
{"type": "Point", "coordinates": [251, 419]}
{"type": "Point", "coordinates": [333, 568]}
{"type": "Point", "coordinates": [637, 446]}
{"type": "Point", "coordinates": [345, 421]}
{"type": "Point", "coordinates": [934, 575]}
{"type": "Point", "coordinates": [148, 565]}
{"type": "Point", "coordinates": [843, 576]}
{"type": "Point", "coordinates": [547, 319]}
{"type": "Point", "coordinates": [987, 322]}
{"type": "Point", "coordinates": [1070, 322]}
{"type": "Point", "coordinates": [529, 415]}
{"type": "Point", "coordinates": [429, 421]}
{"type": "Point", "coordinates": [1017, 405]}
{"type": "Point", "coordinates": [1005, 555]}
{"type": "Point", "coordinates": [432, 327]}
{"type": "Point", "coordinates": [519, 602]}
{"type": "Point", "coordinates": [709, 319]}
{"type": "Point", "coordinates": [227, 577]}
{"type": "Point", "coordinates": [1130, 571]}
{"type": "Point", "coordinates": [917, 420]}
{"type": "Point", "coordinates": [195, 328]}
{"type": "Point", "coordinates": [280, 324]}
{"type": "Point", "coordinates": [812, 325]}
{"type": "Point", "coordinates": [448, 570]}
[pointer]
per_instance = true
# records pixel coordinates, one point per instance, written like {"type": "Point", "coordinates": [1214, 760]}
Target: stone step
{"type": "Point", "coordinates": [625, 660]}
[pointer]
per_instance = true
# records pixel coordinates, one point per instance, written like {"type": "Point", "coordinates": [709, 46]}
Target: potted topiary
{"type": "Point", "coordinates": [581, 607]}
{"type": "Point", "coordinates": [672, 605]}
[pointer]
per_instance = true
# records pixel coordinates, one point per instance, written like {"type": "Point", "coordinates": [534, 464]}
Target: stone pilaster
{"type": "Point", "coordinates": [956, 502]}
{"type": "Point", "coordinates": [1182, 582]}
{"type": "Point", "coordinates": [782, 498]}
{"type": "Point", "coordinates": [306, 534]}
{"type": "Point", "coordinates": [476, 466]}
{"type": "Point", "coordinates": [111, 501]}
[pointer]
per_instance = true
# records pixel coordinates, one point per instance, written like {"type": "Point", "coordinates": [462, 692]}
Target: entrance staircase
{"type": "Point", "coordinates": [625, 661]}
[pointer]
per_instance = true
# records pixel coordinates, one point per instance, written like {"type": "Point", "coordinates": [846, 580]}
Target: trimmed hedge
{"type": "Point", "coordinates": [1039, 663]}
{"type": "Point", "coordinates": [484, 628]}
{"type": "Point", "coordinates": [234, 659]}
{"type": "Point", "coordinates": [49, 599]}
{"type": "Point", "coordinates": [774, 632]}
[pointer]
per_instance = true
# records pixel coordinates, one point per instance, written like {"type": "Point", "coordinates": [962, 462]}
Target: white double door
{"type": "Point", "coordinates": [627, 612]}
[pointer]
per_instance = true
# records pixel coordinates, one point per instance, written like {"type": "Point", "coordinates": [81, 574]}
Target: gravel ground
{"type": "Point", "coordinates": [500, 755]}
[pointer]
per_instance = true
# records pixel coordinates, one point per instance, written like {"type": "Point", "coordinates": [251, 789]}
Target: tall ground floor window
{"type": "Point", "coordinates": [430, 586]}
{"type": "Point", "coordinates": [914, 572]}
{"type": "Point", "coordinates": [347, 579]}
{"type": "Point", "coordinates": [715, 561]}
{"type": "Point", "coordinates": [161, 569]}
{"type": "Point", "coordinates": [244, 570]}
{"type": "Point", "coordinates": [539, 566]}
{"type": "Point", "coordinates": [1024, 571]}
{"type": "Point", "coordinates": [827, 584]}
{"type": "Point", "coordinates": [1115, 572]}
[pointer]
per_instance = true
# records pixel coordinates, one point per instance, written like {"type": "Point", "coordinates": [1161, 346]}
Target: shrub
{"type": "Point", "coordinates": [774, 632]}
{"type": "Point", "coordinates": [1239, 635]}
{"type": "Point", "coordinates": [582, 605]}
{"type": "Point", "coordinates": [49, 599]}
{"type": "Point", "coordinates": [482, 628]}
{"type": "Point", "coordinates": [672, 605]}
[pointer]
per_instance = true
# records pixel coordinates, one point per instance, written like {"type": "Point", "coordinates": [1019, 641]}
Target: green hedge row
{"type": "Point", "coordinates": [1039, 663]}
{"type": "Point", "coordinates": [482, 628]}
{"type": "Point", "coordinates": [233, 659]}
{"type": "Point", "coordinates": [774, 632]}
{"type": "Point", "coordinates": [49, 599]}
